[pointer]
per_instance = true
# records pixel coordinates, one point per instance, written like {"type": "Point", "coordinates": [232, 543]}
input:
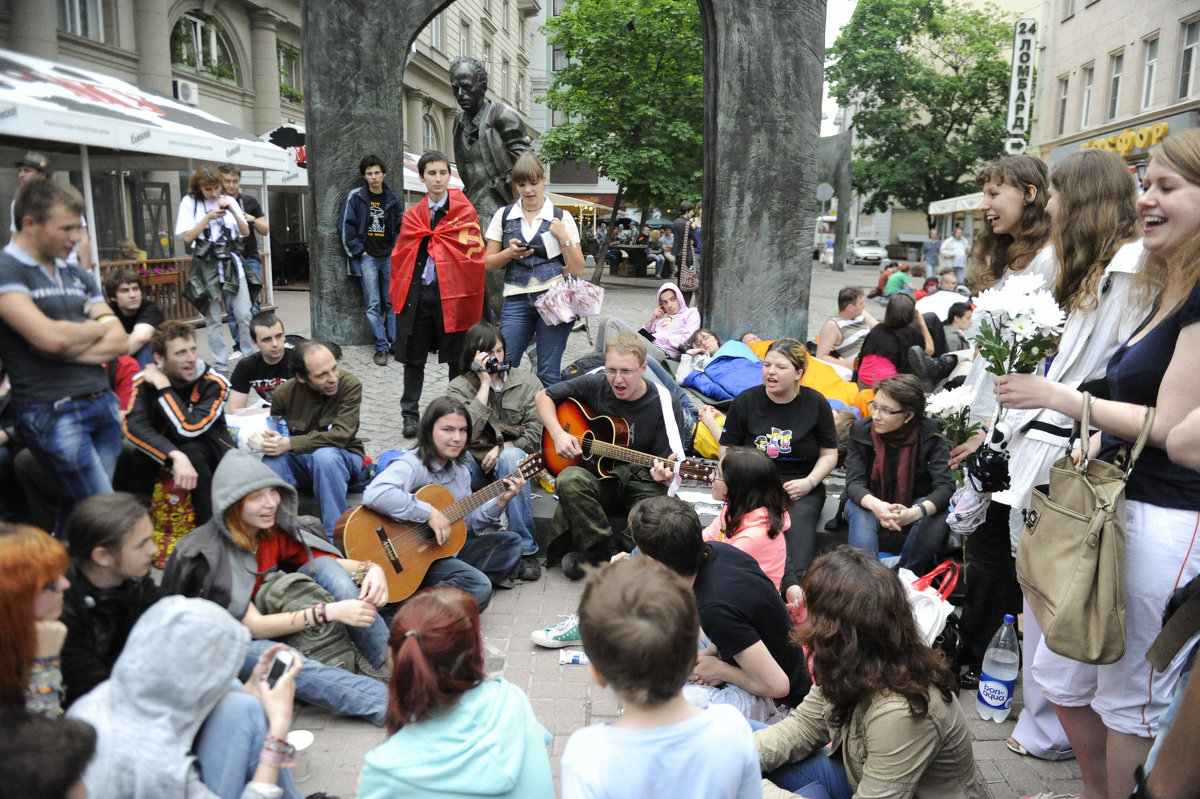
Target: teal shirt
{"type": "Point", "coordinates": [897, 281]}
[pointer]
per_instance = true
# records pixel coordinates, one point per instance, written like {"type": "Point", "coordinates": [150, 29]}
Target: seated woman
{"type": "Point", "coordinates": [755, 511]}
{"type": "Point", "coordinates": [31, 636]}
{"type": "Point", "coordinates": [670, 325]}
{"type": "Point", "coordinates": [898, 475]}
{"type": "Point", "coordinates": [696, 352]}
{"type": "Point", "coordinates": [958, 322]}
{"type": "Point", "coordinates": [885, 700]}
{"type": "Point", "coordinates": [254, 532]}
{"type": "Point", "coordinates": [654, 252]}
{"type": "Point", "coordinates": [884, 351]}
{"type": "Point", "coordinates": [173, 721]}
{"type": "Point", "coordinates": [453, 732]}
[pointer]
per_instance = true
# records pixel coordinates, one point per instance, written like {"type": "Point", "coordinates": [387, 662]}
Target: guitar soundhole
{"type": "Point", "coordinates": [389, 550]}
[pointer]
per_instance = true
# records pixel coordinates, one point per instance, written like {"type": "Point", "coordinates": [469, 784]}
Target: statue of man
{"type": "Point", "coordinates": [488, 138]}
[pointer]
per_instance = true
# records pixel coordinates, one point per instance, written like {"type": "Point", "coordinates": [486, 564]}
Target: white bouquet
{"type": "Point", "coordinates": [953, 410]}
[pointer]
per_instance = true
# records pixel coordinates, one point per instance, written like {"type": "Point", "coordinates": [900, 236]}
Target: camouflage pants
{"type": "Point", "coordinates": [585, 503]}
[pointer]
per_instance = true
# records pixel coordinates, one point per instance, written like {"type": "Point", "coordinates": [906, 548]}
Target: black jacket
{"type": "Point", "coordinates": [932, 479]}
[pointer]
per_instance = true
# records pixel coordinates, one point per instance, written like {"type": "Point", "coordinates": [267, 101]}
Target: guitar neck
{"type": "Point", "coordinates": [462, 508]}
{"type": "Point", "coordinates": [603, 449]}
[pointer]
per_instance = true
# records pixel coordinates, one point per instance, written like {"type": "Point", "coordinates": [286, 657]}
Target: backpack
{"type": "Point", "coordinates": [583, 365]}
{"type": "Point", "coordinates": [330, 643]}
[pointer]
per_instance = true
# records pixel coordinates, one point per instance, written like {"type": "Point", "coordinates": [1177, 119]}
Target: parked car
{"type": "Point", "coordinates": [867, 251]}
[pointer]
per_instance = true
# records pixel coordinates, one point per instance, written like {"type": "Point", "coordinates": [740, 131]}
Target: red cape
{"type": "Point", "coordinates": [457, 247]}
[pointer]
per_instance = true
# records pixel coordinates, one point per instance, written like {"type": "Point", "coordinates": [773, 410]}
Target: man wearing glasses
{"type": "Point", "coordinates": [585, 501]}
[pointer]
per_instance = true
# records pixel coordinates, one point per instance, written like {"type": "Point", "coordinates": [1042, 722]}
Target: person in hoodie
{"type": "Point", "coordinates": [173, 721]}
{"type": "Point", "coordinates": [254, 531]}
{"type": "Point", "coordinates": [177, 418]}
{"type": "Point", "coordinates": [453, 732]}
{"type": "Point", "coordinates": [667, 331]}
{"type": "Point", "coordinates": [369, 226]}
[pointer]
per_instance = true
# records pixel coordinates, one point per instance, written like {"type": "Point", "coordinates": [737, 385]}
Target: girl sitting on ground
{"type": "Point", "coordinates": [755, 511]}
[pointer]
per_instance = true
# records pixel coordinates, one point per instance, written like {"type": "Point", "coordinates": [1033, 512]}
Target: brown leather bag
{"type": "Point", "coordinates": [1071, 554]}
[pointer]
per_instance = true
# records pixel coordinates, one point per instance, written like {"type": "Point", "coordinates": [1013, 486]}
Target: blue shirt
{"type": "Point", "coordinates": [929, 251]}
{"type": "Point", "coordinates": [393, 492]}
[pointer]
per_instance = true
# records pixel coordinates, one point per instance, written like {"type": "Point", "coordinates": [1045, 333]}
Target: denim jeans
{"type": "Point", "coordinates": [239, 311]}
{"type": "Point", "coordinates": [815, 777]}
{"type": "Point", "coordinates": [371, 641]}
{"type": "Point", "coordinates": [328, 686]}
{"type": "Point", "coordinates": [483, 560]}
{"type": "Point", "coordinates": [228, 746]}
{"type": "Point", "coordinates": [252, 265]}
{"type": "Point", "coordinates": [659, 374]}
{"type": "Point", "coordinates": [78, 440]}
{"type": "Point", "coordinates": [327, 472]}
{"type": "Point", "coordinates": [520, 322]}
{"type": "Point", "coordinates": [520, 509]}
{"type": "Point", "coordinates": [376, 274]}
{"type": "Point", "coordinates": [921, 545]}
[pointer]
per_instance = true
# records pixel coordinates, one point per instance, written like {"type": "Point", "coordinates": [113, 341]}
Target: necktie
{"type": "Point", "coordinates": [429, 275]}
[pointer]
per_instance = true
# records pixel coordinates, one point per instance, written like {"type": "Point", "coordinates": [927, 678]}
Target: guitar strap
{"type": "Point", "coordinates": [664, 400]}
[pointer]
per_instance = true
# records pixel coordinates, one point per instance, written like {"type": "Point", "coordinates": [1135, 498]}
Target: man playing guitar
{"type": "Point", "coordinates": [488, 556]}
{"type": "Point", "coordinates": [620, 391]}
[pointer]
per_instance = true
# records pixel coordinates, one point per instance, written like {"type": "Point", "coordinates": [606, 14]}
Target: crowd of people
{"type": "Point", "coordinates": [738, 651]}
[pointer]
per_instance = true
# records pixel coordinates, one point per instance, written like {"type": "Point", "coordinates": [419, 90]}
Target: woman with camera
{"type": "Point", "coordinates": [505, 427]}
{"type": "Point", "coordinates": [213, 228]}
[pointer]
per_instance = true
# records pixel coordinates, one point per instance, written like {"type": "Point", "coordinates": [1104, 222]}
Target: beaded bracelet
{"type": "Point", "coordinates": [319, 614]}
{"type": "Point", "coordinates": [360, 573]}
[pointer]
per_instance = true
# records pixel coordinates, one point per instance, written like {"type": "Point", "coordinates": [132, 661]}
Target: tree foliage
{"type": "Point", "coordinates": [633, 90]}
{"type": "Point", "coordinates": [929, 83]}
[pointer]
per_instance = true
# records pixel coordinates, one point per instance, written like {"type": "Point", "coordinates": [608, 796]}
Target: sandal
{"type": "Point", "coordinates": [1014, 746]}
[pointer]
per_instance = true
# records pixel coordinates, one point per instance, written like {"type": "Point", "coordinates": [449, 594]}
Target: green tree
{"type": "Point", "coordinates": [632, 89]}
{"type": "Point", "coordinates": [929, 82]}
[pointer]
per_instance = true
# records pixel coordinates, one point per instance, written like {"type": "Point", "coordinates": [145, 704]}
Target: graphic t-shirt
{"type": "Point", "coordinates": [253, 372]}
{"type": "Point", "coordinates": [377, 243]}
{"type": "Point", "coordinates": [791, 433]}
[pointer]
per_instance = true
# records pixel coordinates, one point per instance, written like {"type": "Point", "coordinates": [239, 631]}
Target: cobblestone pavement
{"type": "Point", "coordinates": [562, 695]}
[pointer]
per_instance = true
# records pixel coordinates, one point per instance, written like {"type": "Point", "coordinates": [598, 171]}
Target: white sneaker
{"type": "Point", "coordinates": [565, 633]}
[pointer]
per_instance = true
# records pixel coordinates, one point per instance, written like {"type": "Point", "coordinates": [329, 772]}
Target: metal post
{"type": "Point", "coordinates": [86, 167]}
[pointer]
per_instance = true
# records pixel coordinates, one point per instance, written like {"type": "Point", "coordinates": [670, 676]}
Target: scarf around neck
{"type": "Point", "coordinates": [892, 481]}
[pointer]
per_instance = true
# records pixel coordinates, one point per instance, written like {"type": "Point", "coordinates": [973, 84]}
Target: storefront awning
{"type": "Point", "coordinates": [967, 202]}
{"type": "Point", "coordinates": [45, 100]}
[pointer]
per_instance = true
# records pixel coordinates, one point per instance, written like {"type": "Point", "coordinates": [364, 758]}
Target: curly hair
{"type": "Point", "coordinates": [1174, 278]}
{"type": "Point", "coordinates": [863, 638]}
{"type": "Point", "coordinates": [30, 559]}
{"type": "Point", "coordinates": [996, 253]}
{"type": "Point", "coordinates": [1095, 217]}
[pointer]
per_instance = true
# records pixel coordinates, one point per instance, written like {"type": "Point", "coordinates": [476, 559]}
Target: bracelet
{"type": "Point", "coordinates": [921, 507]}
{"type": "Point", "coordinates": [319, 614]}
{"type": "Point", "coordinates": [308, 625]}
{"type": "Point", "coordinates": [360, 573]}
{"type": "Point", "coordinates": [105, 318]}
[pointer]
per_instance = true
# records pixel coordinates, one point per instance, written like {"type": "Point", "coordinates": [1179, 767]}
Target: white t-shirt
{"type": "Point", "coordinates": [711, 755]}
{"type": "Point", "coordinates": [495, 232]}
{"type": "Point", "coordinates": [191, 210]}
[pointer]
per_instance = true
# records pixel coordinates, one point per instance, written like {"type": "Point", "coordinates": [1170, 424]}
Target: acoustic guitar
{"type": "Point", "coordinates": [405, 550]}
{"type": "Point", "coordinates": [604, 439]}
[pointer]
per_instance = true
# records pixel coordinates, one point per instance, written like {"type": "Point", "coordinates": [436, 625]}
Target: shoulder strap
{"type": "Point", "coordinates": [664, 401]}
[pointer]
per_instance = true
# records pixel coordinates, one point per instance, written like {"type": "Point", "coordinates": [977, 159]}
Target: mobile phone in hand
{"type": "Point", "coordinates": [282, 662]}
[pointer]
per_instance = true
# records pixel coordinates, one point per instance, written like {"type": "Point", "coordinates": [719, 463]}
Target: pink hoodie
{"type": "Point", "coordinates": [670, 332]}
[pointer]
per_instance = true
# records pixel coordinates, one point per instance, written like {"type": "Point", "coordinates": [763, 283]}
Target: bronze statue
{"type": "Point", "coordinates": [488, 138]}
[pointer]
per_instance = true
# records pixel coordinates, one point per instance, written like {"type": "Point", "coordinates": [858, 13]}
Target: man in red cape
{"type": "Point", "coordinates": [437, 281]}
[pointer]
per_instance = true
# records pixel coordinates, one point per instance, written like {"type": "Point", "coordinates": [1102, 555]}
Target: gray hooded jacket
{"type": "Point", "coordinates": [207, 563]}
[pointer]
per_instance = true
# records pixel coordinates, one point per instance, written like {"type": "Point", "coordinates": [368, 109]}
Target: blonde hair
{"type": "Point", "coordinates": [527, 169]}
{"type": "Point", "coordinates": [627, 343]}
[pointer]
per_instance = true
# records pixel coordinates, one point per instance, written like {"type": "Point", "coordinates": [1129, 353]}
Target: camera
{"type": "Point", "coordinates": [281, 663]}
{"type": "Point", "coordinates": [492, 366]}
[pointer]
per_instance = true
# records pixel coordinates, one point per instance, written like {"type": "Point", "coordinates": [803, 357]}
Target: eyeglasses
{"type": "Point", "coordinates": [626, 373]}
{"type": "Point", "coordinates": [878, 411]}
{"type": "Point", "coordinates": [718, 476]}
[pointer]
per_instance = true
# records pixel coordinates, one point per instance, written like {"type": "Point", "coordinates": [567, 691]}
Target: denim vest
{"type": "Point", "coordinates": [519, 271]}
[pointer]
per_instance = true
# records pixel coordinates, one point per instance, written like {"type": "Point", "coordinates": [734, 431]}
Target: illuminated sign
{"type": "Point", "coordinates": [1126, 141]}
{"type": "Point", "coordinates": [1020, 87]}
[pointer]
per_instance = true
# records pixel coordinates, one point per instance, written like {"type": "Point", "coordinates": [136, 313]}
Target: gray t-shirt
{"type": "Point", "coordinates": [65, 296]}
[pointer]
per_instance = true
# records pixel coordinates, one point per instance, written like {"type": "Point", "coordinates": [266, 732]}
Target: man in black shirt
{"type": "Point", "coordinates": [621, 391]}
{"type": "Point", "coordinates": [370, 223]}
{"type": "Point", "coordinates": [139, 316]}
{"type": "Point", "coordinates": [231, 183]}
{"type": "Point", "coordinates": [265, 370]}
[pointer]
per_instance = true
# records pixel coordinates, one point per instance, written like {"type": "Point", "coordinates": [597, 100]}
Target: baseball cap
{"type": "Point", "coordinates": [36, 160]}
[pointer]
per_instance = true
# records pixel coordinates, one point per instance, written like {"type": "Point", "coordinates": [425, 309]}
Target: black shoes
{"type": "Point", "coordinates": [528, 569]}
{"type": "Point", "coordinates": [381, 357]}
{"type": "Point", "coordinates": [930, 371]}
{"type": "Point", "coordinates": [572, 566]}
{"type": "Point", "coordinates": [969, 680]}
{"type": "Point", "coordinates": [410, 428]}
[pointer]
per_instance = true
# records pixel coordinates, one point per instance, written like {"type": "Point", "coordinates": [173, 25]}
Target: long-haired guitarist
{"type": "Point", "coordinates": [489, 555]}
{"type": "Point", "coordinates": [620, 391]}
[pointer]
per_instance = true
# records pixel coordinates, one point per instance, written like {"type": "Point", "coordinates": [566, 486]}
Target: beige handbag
{"type": "Point", "coordinates": [1071, 554]}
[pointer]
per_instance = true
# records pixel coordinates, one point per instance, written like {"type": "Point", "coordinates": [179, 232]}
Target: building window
{"type": "Point", "coordinates": [464, 39]}
{"type": "Point", "coordinates": [504, 78]}
{"type": "Point", "coordinates": [487, 61]}
{"type": "Point", "coordinates": [487, 7]}
{"type": "Point", "coordinates": [1068, 8]}
{"type": "Point", "coordinates": [1150, 71]}
{"type": "Point", "coordinates": [82, 18]}
{"type": "Point", "coordinates": [1187, 66]}
{"type": "Point", "coordinates": [200, 43]}
{"type": "Point", "coordinates": [1116, 64]}
{"type": "Point", "coordinates": [520, 91]}
{"type": "Point", "coordinates": [429, 137]}
{"type": "Point", "coordinates": [435, 32]}
{"type": "Point", "coordinates": [1089, 77]}
{"type": "Point", "coordinates": [1063, 85]}
{"type": "Point", "coordinates": [558, 60]}
{"type": "Point", "coordinates": [290, 84]}
{"type": "Point", "coordinates": [504, 15]}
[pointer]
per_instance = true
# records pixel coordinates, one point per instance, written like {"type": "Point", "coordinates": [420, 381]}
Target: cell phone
{"type": "Point", "coordinates": [281, 663]}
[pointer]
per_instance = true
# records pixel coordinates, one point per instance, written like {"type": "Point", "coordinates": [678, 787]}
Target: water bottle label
{"type": "Point", "coordinates": [997, 694]}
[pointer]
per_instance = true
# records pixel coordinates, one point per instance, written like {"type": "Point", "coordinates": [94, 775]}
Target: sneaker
{"type": "Point", "coordinates": [381, 357]}
{"type": "Point", "coordinates": [565, 633]}
{"type": "Point", "coordinates": [571, 566]}
{"type": "Point", "coordinates": [528, 569]}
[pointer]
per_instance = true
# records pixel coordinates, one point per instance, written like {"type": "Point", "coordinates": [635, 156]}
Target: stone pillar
{"type": "Point", "coordinates": [414, 115]}
{"type": "Point", "coordinates": [152, 33]}
{"type": "Point", "coordinates": [34, 28]}
{"type": "Point", "coordinates": [264, 68]}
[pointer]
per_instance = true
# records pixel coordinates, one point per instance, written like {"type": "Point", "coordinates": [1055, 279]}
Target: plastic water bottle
{"type": "Point", "coordinates": [1001, 664]}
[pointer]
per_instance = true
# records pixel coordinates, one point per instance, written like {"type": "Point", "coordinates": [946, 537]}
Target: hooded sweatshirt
{"type": "Point", "coordinates": [670, 332]}
{"type": "Point", "coordinates": [179, 662]}
{"type": "Point", "coordinates": [207, 563]}
{"type": "Point", "coordinates": [488, 743]}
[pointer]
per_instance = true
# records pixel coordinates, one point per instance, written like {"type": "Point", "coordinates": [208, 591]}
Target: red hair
{"type": "Point", "coordinates": [29, 560]}
{"type": "Point", "coordinates": [437, 654]}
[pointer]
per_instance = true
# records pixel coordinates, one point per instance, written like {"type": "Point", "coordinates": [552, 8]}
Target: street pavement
{"type": "Point", "coordinates": [562, 696]}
